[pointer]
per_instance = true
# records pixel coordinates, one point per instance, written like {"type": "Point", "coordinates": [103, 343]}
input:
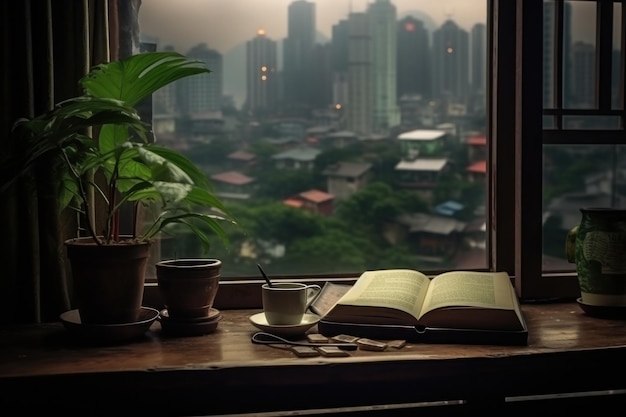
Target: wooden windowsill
{"type": "Point", "coordinates": [224, 372]}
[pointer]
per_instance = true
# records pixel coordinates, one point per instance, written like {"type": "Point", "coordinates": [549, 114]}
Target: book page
{"type": "Point", "coordinates": [471, 289]}
{"type": "Point", "coordinates": [401, 289]}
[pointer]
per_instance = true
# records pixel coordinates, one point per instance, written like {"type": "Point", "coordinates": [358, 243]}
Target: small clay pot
{"type": "Point", "coordinates": [188, 286]}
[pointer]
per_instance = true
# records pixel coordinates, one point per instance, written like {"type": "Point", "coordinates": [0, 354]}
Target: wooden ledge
{"type": "Point", "coordinates": [565, 349]}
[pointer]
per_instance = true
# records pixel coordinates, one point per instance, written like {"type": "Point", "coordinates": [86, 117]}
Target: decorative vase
{"type": "Point", "coordinates": [188, 286]}
{"type": "Point", "coordinates": [108, 279]}
{"type": "Point", "coordinates": [598, 247]}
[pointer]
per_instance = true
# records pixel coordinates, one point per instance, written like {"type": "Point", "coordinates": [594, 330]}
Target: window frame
{"type": "Point", "coordinates": [516, 134]}
{"type": "Point", "coordinates": [530, 136]}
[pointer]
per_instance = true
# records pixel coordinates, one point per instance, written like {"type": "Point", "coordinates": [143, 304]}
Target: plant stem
{"type": "Point", "coordinates": [89, 211]}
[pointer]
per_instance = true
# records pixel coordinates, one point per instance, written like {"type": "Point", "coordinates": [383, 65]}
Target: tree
{"type": "Point", "coordinates": [280, 184]}
{"type": "Point", "coordinates": [376, 204]}
{"type": "Point", "coordinates": [283, 224]}
{"type": "Point", "coordinates": [333, 251]}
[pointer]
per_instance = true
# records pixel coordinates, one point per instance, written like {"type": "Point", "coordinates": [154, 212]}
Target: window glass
{"type": "Point", "coordinates": [577, 176]}
{"type": "Point", "coordinates": [343, 135]}
{"type": "Point", "coordinates": [580, 171]}
{"type": "Point", "coordinates": [617, 70]}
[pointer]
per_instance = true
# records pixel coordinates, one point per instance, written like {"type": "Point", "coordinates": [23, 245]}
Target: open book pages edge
{"type": "Point", "coordinates": [348, 313]}
{"type": "Point", "coordinates": [491, 290]}
{"type": "Point", "coordinates": [399, 289]}
{"type": "Point", "coordinates": [353, 307]}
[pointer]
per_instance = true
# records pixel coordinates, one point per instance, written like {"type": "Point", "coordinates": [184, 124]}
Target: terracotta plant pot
{"type": "Point", "coordinates": [188, 286]}
{"type": "Point", "coordinates": [108, 279]}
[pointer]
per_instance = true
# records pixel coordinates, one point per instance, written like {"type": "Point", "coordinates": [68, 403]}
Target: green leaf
{"type": "Point", "coordinates": [197, 176]}
{"type": "Point", "coordinates": [134, 78]}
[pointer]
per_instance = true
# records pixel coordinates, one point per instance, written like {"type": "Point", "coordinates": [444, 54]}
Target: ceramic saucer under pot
{"type": "Point", "coordinates": [189, 327]}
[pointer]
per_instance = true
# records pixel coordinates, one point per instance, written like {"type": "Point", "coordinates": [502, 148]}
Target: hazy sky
{"type": "Point", "coordinates": [222, 24]}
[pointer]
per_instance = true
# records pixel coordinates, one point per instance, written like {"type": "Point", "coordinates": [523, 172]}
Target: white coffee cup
{"type": "Point", "coordinates": [284, 303]}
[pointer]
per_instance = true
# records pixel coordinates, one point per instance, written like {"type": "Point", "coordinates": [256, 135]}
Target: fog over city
{"type": "Point", "coordinates": [223, 24]}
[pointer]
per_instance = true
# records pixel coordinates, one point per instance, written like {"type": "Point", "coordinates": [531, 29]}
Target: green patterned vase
{"type": "Point", "coordinates": [598, 247]}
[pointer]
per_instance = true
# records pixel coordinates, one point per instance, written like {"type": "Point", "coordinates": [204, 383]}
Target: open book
{"type": "Point", "coordinates": [453, 307]}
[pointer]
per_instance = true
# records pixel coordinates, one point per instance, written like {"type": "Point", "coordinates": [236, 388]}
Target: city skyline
{"type": "Point", "coordinates": [234, 59]}
{"type": "Point", "coordinates": [156, 17]}
{"type": "Point", "coordinates": [239, 20]}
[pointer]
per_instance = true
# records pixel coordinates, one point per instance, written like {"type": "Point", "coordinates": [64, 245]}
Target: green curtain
{"type": "Point", "coordinates": [47, 46]}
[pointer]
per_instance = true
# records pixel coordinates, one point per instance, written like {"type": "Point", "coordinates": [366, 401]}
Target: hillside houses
{"type": "Point", "coordinates": [345, 178]}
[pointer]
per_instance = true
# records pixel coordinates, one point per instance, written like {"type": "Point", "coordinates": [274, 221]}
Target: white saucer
{"type": "Point", "coordinates": [308, 321]}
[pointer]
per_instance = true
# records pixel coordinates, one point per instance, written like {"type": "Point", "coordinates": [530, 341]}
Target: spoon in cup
{"type": "Point", "coordinates": [267, 279]}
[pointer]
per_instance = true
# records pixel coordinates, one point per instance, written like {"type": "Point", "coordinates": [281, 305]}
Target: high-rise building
{"type": "Point", "coordinates": [261, 74]}
{"type": "Point", "coordinates": [413, 59]}
{"type": "Point", "coordinates": [383, 31]}
{"type": "Point", "coordinates": [617, 79]}
{"type": "Point", "coordinates": [339, 63]}
{"type": "Point", "coordinates": [203, 92]}
{"type": "Point", "coordinates": [165, 99]}
{"type": "Point", "coordinates": [478, 90]}
{"type": "Point", "coordinates": [360, 106]}
{"type": "Point", "coordinates": [320, 79]}
{"type": "Point", "coordinates": [583, 75]}
{"type": "Point", "coordinates": [451, 63]}
{"type": "Point", "coordinates": [549, 62]}
{"type": "Point", "coordinates": [297, 53]}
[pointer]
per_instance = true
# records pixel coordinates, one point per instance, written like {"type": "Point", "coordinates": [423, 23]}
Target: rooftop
{"type": "Point", "coordinates": [422, 164]}
{"type": "Point", "coordinates": [316, 196]}
{"type": "Point", "coordinates": [242, 156]}
{"type": "Point", "coordinates": [422, 134]}
{"type": "Point", "coordinates": [440, 225]}
{"type": "Point", "coordinates": [477, 141]}
{"type": "Point", "coordinates": [347, 169]}
{"type": "Point", "coordinates": [232, 177]}
{"type": "Point", "coordinates": [479, 167]}
{"type": "Point", "coordinates": [300, 154]}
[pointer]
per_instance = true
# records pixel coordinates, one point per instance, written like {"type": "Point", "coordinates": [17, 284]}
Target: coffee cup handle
{"type": "Point", "coordinates": [312, 291]}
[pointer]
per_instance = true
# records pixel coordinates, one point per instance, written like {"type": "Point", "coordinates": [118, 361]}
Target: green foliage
{"type": "Point", "coordinates": [214, 153]}
{"type": "Point", "coordinates": [284, 224]}
{"type": "Point", "coordinates": [135, 171]}
{"type": "Point", "coordinates": [570, 169]}
{"type": "Point", "coordinates": [280, 184]}
{"type": "Point", "coordinates": [377, 204]}
{"type": "Point", "coordinates": [333, 156]}
{"type": "Point", "coordinates": [334, 250]}
{"type": "Point", "coordinates": [452, 187]}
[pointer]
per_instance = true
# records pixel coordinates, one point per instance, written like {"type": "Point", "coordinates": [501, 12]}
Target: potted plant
{"type": "Point", "coordinates": [113, 167]}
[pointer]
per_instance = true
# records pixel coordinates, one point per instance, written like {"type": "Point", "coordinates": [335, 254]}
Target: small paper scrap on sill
{"type": "Point", "coordinates": [304, 351]}
{"type": "Point", "coordinates": [316, 338]}
{"type": "Point", "coordinates": [369, 344]}
{"type": "Point", "coordinates": [398, 344]}
{"type": "Point", "coordinates": [332, 351]}
{"type": "Point", "coordinates": [344, 338]}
